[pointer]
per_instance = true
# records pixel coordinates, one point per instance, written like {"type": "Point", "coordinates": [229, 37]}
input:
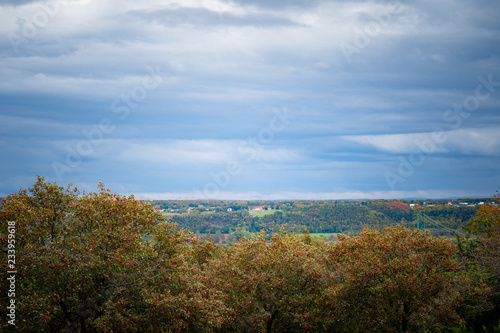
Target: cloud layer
{"type": "Point", "coordinates": [259, 98]}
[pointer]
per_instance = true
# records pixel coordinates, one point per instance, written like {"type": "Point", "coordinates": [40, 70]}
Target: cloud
{"type": "Point", "coordinates": [203, 17]}
{"type": "Point", "coordinates": [32, 127]}
{"type": "Point", "coordinates": [16, 3]}
{"type": "Point", "coordinates": [279, 3]}
{"type": "Point", "coordinates": [185, 153]}
{"type": "Point", "coordinates": [225, 66]}
{"type": "Point", "coordinates": [192, 153]}
{"type": "Point", "coordinates": [485, 141]}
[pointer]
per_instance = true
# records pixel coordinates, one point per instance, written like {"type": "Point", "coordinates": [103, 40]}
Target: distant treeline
{"type": "Point", "coordinates": [442, 217]}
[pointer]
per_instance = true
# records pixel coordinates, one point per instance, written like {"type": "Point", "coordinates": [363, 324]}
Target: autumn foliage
{"type": "Point", "coordinates": [101, 262]}
{"type": "Point", "coordinates": [396, 280]}
{"type": "Point", "coordinates": [480, 251]}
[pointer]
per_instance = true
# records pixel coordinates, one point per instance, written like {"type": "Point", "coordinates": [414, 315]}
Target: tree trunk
{"type": "Point", "coordinates": [406, 315]}
{"type": "Point", "coordinates": [270, 321]}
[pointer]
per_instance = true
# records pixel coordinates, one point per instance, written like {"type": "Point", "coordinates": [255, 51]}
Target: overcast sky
{"type": "Point", "coordinates": [286, 99]}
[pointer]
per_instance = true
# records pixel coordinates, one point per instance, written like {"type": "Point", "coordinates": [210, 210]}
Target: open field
{"type": "Point", "coordinates": [167, 214]}
{"type": "Point", "coordinates": [260, 213]}
{"type": "Point", "coordinates": [325, 235]}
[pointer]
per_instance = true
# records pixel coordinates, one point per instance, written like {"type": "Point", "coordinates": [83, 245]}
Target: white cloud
{"type": "Point", "coordinates": [470, 141]}
{"type": "Point", "coordinates": [180, 152]}
{"type": "Point", "coordinates": [191, 153]}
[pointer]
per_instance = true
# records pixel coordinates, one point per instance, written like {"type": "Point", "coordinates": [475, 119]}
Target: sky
{"type": "Point", "coordinates": [246, 100]}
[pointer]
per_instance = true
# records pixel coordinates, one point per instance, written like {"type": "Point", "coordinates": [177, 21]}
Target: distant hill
{"type": "Point", "coordinates": [224, 217]}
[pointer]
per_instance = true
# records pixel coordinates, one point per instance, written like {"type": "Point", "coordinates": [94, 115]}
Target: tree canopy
{"type": "Point", "coordinates": [480, 251]}
{"type": "Point", "coordinates": [102, 262]}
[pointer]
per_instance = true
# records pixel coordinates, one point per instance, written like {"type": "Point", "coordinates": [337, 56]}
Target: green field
{"type": "Point", "coordinates": [325, 235]}
{"type": "Point", "coordinates": [167, 214]}
{"type": "Point", "coordinates": [260, 213]}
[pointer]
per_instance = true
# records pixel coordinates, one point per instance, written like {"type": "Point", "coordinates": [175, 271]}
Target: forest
{"type": "Point", "coordinates": [103, 262]}
{"type": "Point", "coordinates": [231, 220]}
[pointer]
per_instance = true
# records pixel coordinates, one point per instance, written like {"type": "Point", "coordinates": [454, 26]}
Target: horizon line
{"type": "Point", "coordinates": [354, 195]}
